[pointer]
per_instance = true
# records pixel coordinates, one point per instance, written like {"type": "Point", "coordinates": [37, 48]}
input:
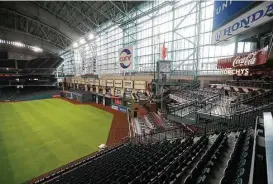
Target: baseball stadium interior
{"type": "Point", "coordinates": [136, 92]}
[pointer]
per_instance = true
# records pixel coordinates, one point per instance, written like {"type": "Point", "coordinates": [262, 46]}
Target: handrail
{"type": "Point", "coordinates": [202, 128]}
{"type": "Point", "coordinates": [128, 121]}
{"type": "Point", "coordinates": [268, 127]}
{"type": "Point", "coordinates": [251, 174]}
{"type": "Point", "coordinates": [187, 104]}
{"type": "Point", "coordinates": [252, 98]}
{"type": "Point", "coordinates": [252, 83]}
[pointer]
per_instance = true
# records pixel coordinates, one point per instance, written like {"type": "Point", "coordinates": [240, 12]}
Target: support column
{"type": "Point", "coordinates": [197, 45]}
{"type": "Point", "coordinates": [236, 47]}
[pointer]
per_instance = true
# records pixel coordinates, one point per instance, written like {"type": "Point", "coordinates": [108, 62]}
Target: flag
{"type": "Point", "coordinates": [164, 51]}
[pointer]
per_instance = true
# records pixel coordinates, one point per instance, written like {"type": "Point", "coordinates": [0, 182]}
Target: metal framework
{"type": "Point", "coordinates": [14, 21]}
{"type": "Point", "coordinates": [184, 26]}
{"type": "Point", "coordinates": [54, 25]}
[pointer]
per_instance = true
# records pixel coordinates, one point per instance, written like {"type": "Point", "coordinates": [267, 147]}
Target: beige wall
{"type": "Point", "coordinates": [204, 80]}
{"type": "Point", "coordinates": [145, 78]}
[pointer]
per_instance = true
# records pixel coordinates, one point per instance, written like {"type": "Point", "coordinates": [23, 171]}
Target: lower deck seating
{"type": "Point", "coordinates": [238, 166]}
{"type": "Point", "coordinates": [28, 93]}
{"type": "Point", "coordinates": [191, 160]}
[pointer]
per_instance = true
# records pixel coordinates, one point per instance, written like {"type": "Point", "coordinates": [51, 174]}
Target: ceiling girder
{"type": "Point", "coordinates": [99, 10]}
{"type": "Point", "coordinates": [83, 14]}
{"type": "Point", "coordinates": [57, 23]}
{"type": "Point", "coordinates": [13, 20]}
{"type": "Point", "coordinates": [68, 9]}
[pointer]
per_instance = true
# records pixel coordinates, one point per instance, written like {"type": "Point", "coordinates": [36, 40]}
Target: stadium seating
{"type": "Point", "coordinates": [190, 160]}
{"type": "Point", "coordinates": [27, 93]}
{"type": "Point", "coordinates": [7, 93]}
{"type": "Point", "coordinates": [151, 123]}
{"type": "Point", "coordinates": [238, 166]}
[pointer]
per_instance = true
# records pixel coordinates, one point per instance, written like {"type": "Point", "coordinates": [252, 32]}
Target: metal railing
{"type": "Point", "coordinates": [251, 83]}
{"type": "Point", "coordinates": [224, 123]}
{"type": "Point", "coordinates": [254, 100]}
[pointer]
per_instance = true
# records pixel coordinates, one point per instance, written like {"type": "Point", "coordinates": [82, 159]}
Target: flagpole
{"type": "Point", "coordinates": [158, 35]}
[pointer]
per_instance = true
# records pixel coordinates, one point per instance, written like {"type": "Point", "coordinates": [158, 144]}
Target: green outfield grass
{"type": "Point", "coordinates": [41, 135]}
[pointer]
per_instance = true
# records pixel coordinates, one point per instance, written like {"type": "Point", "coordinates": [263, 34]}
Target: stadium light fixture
{"type": "Point", "coordinates": [18, 44]}
{"type": "Point", "coordinates": [82, 41]}
{"type": "Point", "coordinates": [75, 45]}
{"type": "Point", "coordinates": [90, 36]}
{"type": "Point", "coordinates": [37, 49]}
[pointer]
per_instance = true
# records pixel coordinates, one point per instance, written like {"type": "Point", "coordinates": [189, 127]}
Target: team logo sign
{"type": "Point", "coordinates": [126, 58]}
{"type": "Point", "coordinates": [218, 36]}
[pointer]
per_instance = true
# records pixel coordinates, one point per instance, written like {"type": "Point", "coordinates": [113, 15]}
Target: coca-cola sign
{"type": "Point", "coordinates": [249, 60]}
{"type": "Point", "coordinates": [244, 60]}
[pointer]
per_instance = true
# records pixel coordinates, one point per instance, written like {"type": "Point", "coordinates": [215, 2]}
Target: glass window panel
{"type": "Point", "coordinates": [240, 47]}
{"type": "Point", "coordinates": [148, 40]}
{"type": "Point", "coordinates": [247, 47]}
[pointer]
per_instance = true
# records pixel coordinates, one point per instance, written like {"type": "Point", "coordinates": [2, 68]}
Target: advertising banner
{"type": "Point", "coordinates": [126, 58]}
{"type": "Point", "coordinates": [97, 82]}
{"type": "Point", "coordinates": [244, 60]}
{"type": "Point", "coordinates": [91, 81]}
{"type": "Point", "coordinates": [87, 81]}
{"type": "Point", "coordinates": [226, 10]}
{"type": "Point", "coordinates": [252, 18]}
{"type": "Point", "coordinates": [60, 79]}
{"type": "Point", "coordinates": [128, 84]}
{"type": "Point", "coordinates": [236, 71]}
{"type": "Point", "coordinates": [140, 85]}
{"type": "Point", "coordinates": [122, 109]}
{"type": "Point", "coordinates": [102, 82]}
{"type": "Point", "coordinates": [110, 83]}
{"type": "Point", "coordinates": [114, 107]}
{"type": "Point", "coordinates": [118, 83]}
{"type": "Point", "coordinates": [242, 65]}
